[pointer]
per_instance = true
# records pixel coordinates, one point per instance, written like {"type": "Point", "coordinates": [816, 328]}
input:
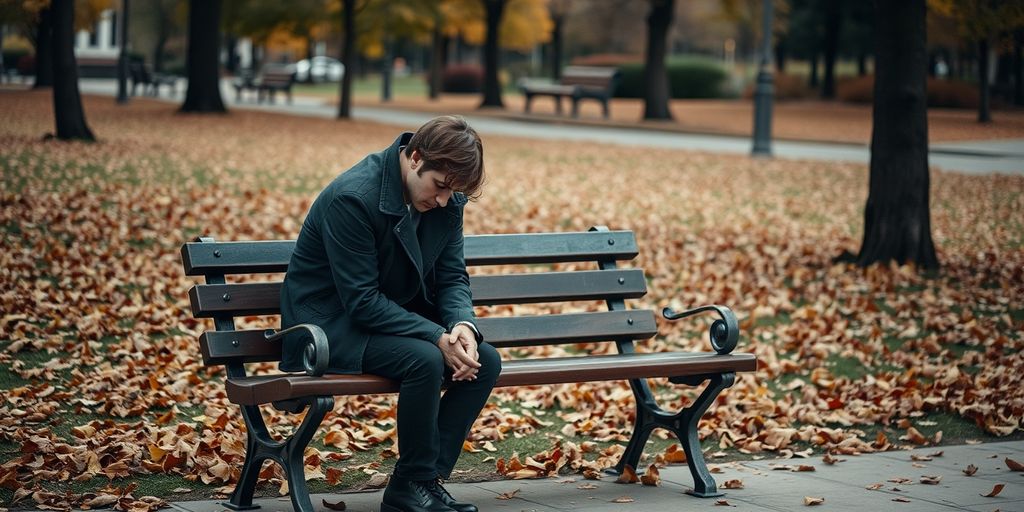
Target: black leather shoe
{"type": "Point", "coordinates": [403, 495]}
{"type": "Point", "coordinates": [438, 490]}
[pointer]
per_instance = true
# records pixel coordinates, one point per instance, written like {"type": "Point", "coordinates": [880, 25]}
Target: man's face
{"type": "Point", "coordinates": [427, 190]}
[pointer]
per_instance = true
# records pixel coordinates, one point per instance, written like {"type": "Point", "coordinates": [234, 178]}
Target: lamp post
{"type": "Point", "coordinates": [122, 60]}
{"type": "Point", "coordinates": [765, 89]}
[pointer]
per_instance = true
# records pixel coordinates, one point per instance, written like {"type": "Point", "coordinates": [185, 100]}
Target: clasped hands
{"type": "Point", "coordinates": [459, 349]}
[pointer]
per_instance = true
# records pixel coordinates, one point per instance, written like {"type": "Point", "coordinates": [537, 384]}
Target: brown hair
{"type": "Point", "coordinates": [448, 144]}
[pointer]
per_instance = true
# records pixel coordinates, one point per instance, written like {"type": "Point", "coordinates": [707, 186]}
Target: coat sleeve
{"type": "Point", "coordinates": [454, 298]}
{"type": "Point", "coordinates": [352, 254]}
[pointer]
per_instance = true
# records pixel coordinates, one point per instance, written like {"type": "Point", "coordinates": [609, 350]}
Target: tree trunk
{"type": "Point", "coordinates": [812, 79]}
{"type": "Point", "coordinates": [492, 87]}
{"type": "Point", "coordinates": [348, 53]}
{"type": "Point", "coordinates": [44, 49]}
{"type": "Point", "coordinates": [203, 93]}
{"type": "Point", "coordinates": [897, 225]}
{"type": "Point", "coordinates": [1018, 64]}
{"type": "Point", "coordinates": [833, 22]}
{"type": "Point", "coordinates": [780, 56]}
{"type": "Point", "coordinates": [436, 61]}
{"type": "Point", "coordinates": [556, 47]}
{"type": "Point", "coordinates": [162, 35]}
{"type": "Point", "coordinates": [67, 102]}
{"type": "Point", "coordinates": [231, 45]}
{"type": "Point", "coordinates": [656, 92]}
{"type": "Point", "coordinates": [862, 64]}
{"type": "Point", "coordinates": [984, 109]}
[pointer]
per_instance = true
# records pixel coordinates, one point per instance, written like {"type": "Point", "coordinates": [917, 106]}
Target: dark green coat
{"type": "Point", "coordinates": [358, 261]}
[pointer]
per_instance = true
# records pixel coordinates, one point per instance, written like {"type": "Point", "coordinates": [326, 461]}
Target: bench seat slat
{"type": "Point", "coordinates": [256, 257]}
{"type": "Point", "coordinates": [265, 389]}
{"type": "Point", "coordinates": [221, 347]}
{"type": "Point", "coordinates": [245, 299]}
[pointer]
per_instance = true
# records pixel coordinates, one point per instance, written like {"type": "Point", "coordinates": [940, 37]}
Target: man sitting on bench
{"type": "Point", "coordinates": [379, 265]}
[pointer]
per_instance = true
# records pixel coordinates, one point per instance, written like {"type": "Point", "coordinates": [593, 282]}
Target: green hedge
{"type": "Point", "coordinates": [688, 77]}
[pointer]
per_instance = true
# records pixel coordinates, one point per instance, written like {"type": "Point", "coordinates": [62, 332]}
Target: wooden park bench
{"type": "Point", "coordinates": [577, 83]}
{"type": "Point", "coordinates": [272, 78]}
{"type": "Point", "coordinates": [293, 393]}
{"type": "Point", "coordinates": [151, 82]}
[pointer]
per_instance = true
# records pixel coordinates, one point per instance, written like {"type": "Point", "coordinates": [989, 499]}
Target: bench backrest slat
{"type": "Point", "coordinates": [245, 299]}
{"type": "Point", "coordinates": [200, 258]}
{"type": "Point", "coordinates": [598, 77]}
{"type": "Point", "coordinates": [222, 347]}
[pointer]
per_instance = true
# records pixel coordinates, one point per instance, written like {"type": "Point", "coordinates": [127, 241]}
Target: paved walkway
{"type": "Point", "coordinates": [981, 157]}
{"type": "Point", "coordinates": [843, 485]}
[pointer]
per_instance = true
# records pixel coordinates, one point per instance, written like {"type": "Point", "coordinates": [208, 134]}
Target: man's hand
{"type": "Point", "coordinates": [460, 352]}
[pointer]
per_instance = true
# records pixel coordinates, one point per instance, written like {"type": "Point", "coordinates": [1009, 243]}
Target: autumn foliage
{"type": "Point", "coordinates": [103, 379]}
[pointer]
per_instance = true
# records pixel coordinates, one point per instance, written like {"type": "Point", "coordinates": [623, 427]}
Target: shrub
{"type": "Point", "coordinates": [688, 77]}
{"type": "Point", "coordinates": [941, 92]}
{"type": "Point", "coordinates": [462, 78]}
{"type": "Point", "coordinates": [787, 87]}
{"type": "Point", "coordinates": [607, 59]}
{"type": "Point", "coordinates": [13, 56]}
{"type": "Point", "coordinates": [27, 65]}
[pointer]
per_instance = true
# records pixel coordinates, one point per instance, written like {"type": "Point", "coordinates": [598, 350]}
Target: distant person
{"type": "Point", "coordinates": [379, 266]}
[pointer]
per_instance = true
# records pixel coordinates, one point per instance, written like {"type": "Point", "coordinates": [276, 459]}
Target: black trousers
{"type": "Point", "coordinates": [431, 428]}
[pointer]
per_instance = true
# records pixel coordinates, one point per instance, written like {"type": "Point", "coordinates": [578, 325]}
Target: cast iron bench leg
{"type": "Point", "coordinates": [683, 424]}
{"type": "Point", "coordinates": [260, 446]}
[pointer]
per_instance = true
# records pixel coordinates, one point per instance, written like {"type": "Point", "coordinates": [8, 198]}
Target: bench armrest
{"type": "Point", "coordinates": [724, 333]}
{"type": "Point", "coordinates": [316, 356]}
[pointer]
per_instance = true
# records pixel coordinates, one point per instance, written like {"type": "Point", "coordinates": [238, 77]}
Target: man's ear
{"type": "Point", "coordinates": [415, 157]}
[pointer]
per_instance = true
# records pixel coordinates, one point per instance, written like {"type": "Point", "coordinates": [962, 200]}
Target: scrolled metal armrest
{"type": "Point", "coordinates": [316, 356]}
{"type": "Point", "coordinates": [724, 333]}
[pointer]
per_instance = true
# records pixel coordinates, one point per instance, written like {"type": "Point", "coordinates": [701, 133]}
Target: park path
{"type": "Point", "coordinates": [981, 157]}
{"type": "Point", "coordinates": [843, 485]}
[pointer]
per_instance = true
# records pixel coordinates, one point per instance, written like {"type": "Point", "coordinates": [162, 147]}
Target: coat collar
{"type": "Point", "coordinates": [392, 197]}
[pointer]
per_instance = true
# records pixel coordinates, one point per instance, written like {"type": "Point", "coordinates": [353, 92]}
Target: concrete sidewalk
{"type": "Point", "coordinates": [843, 485]}
{"type": "Point", "coordinates": [982, 157]}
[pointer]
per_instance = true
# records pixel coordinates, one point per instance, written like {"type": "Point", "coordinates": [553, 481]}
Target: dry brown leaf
{"type": "Point", "coordinates": [995, 491]}
{"type": "Point", "coordinates": [651, 477]}
{"type": "Point", "coordinates": [900, 499]}
{"type": "Point", "coordinates": [508, 495]}
{"type": "Point", "coordinates": [586, 485]}
{"type": "Point", "coordinates": [628, 476]}
{"type": "Point", "coordinates": [1014, 465]}
{"type": "Point", "coordinates": [931, 479]}
{"type": "Point", "coordinates": [810, 501]}
{"type": "Point", "coordinates": [875, 486]}
{"type": "Point", "coordinates": [339, 505]}
{"type": "Point", "coordinates": [623, 499]}
{"type": "Point", "coordinates": [970, 470]}
{"type": "Point", "coordinates": [723, 503]}
{"type": "Point", "coordinates": [733, 484]}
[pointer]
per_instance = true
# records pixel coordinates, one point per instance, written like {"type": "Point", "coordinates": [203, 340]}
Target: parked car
{"type": "Point", "coordinates": [319, 69]}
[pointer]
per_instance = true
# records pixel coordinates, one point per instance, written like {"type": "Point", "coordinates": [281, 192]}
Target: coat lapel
{"type": "Point", "coordinates": [392, 202]}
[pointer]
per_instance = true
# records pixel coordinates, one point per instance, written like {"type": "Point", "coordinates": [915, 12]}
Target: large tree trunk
{"type": "Point", "coordinates": [492, 87]}
{"type": "Point", "coordinates": [231, 48]}
{"type": "Point", "coordinates": [656, 93]}
{"type": "Point", "coordinates": [984, 110]}
{"type": "Point", "coordinates": [833, 22]}
{"type": "Point", "coordinates": [348, 54]}
{"type": "Point", "coordinates": [162, 35]}
{"type": "Point", "coordinates": [44, 49]}
{"type": "Point", "coordinates": [812, 78]}
{"type": "Point", "coordinates": [1018, 73]}
{"type": "Point", "coordinates": [67, 102]}
{"type": "Point", "coordinates": [862, 64]}
{"type": "Point", "coordinates": [436, 61]}
{"type": "Point", "coordinates": [780, 56]}
{"type": "Point", "coordinates": [556, 47]}
{"type": "Point", "coordinates": [897, 223]}
{"type": "Point", "coordinates": [203, 93]}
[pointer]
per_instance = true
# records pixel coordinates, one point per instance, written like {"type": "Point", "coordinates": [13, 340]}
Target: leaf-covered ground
{"type": "Point", "coordinates": [105, 400]}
